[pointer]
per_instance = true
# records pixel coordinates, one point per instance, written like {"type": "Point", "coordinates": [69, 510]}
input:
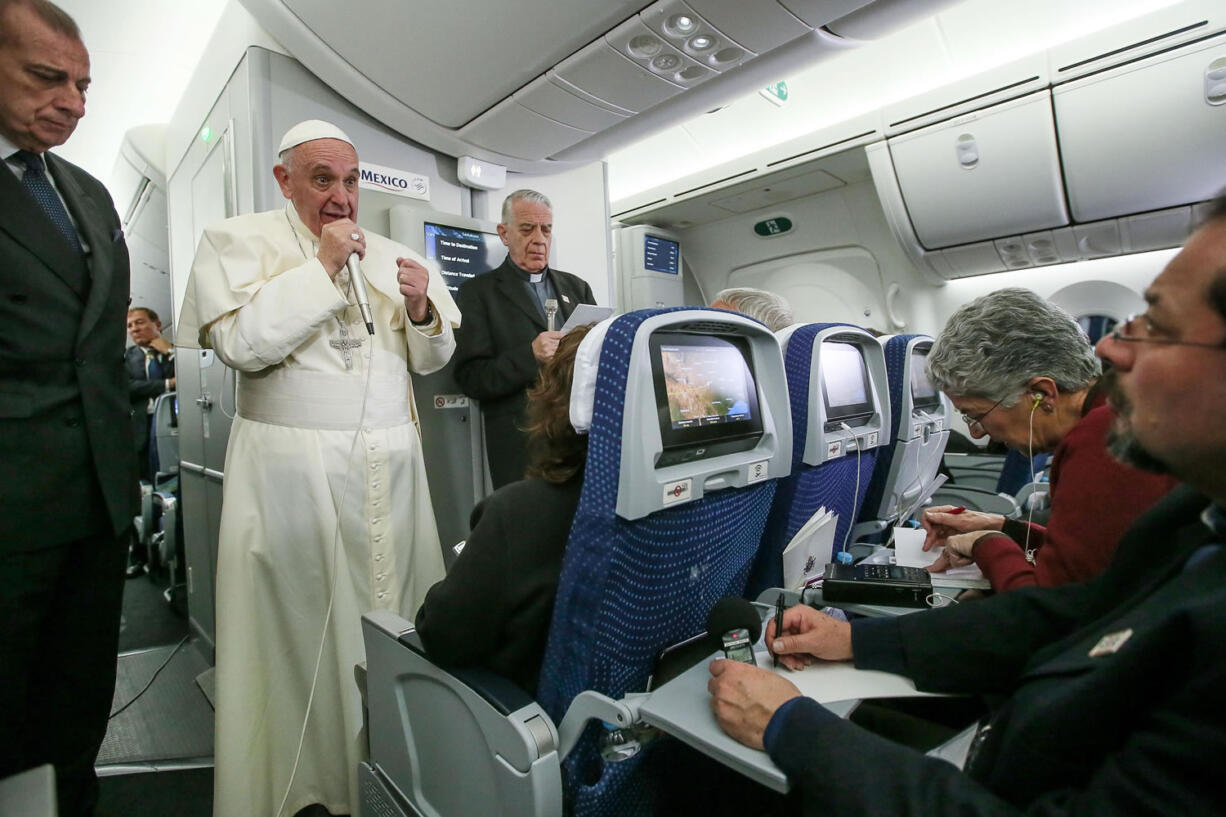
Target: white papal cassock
{"type": "Point", "coordinates": [297, 452]}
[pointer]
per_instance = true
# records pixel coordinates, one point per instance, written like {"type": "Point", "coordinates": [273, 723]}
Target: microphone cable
{"type": "Point", "coordinates": [336, 538]}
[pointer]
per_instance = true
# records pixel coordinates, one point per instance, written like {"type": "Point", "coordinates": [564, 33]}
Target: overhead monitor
{"type": "Point", "coordinates": [461, 253]}
{"type": "Point", "coordinates": [649, 268]}
{"type": "Point", "coordinates": [661, 254]}
{"type": "Point", "coordinates": [923, 393]}
{"type": "Point", "coordinates": [845, 384]}
{"type": "Point", "coordinates": [706, 395]}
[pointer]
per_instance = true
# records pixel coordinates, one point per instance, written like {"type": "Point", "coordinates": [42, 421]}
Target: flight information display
{"type": "Point", "coordinates": [706, 385]}
{"type": "Point", "coordinates": [661, 254]}
{"type": "Point", "coordinates": [462, 254]}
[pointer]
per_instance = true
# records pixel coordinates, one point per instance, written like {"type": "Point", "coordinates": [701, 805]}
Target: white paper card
{"type": "Point", "coordinates": [909, 548]}
{"type": "Point", "coordinates": [585, 314]}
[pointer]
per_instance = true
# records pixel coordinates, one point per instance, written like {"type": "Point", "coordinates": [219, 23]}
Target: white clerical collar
{"type": "Point", "coordinates": [536, 277]}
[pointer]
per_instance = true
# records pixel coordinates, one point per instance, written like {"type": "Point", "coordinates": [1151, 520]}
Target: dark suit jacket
{"type": "Point", "coordinates": [141, 389]}
{"type": "Point", "coordinates": [66, 459]}
{"type": "Point", "coordinates": [1088, 725]}
{"type": "Point", "coordinates": [494, 607]}
{"type": "Point", "coordinates": [493, 356]}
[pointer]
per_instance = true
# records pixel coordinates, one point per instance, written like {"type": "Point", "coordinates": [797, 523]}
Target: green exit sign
{"type": "Point", "coordinates": [772, 227]}
{"type": "Point", "coordinates": [776, 92]}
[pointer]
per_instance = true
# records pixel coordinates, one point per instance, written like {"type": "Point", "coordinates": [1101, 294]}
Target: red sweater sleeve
{"type": "Point", "coordinates": [1094, 499]}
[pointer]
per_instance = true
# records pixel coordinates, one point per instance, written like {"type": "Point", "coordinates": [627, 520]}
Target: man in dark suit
{"type": "Point", "coordinates": [151, 373]}
{"type": "Point", "coordinates": [1108, 693]}
{"type": "Point", "coordinates": [505, 333]}
{"type": "Point", "coordinates": [66, 463]}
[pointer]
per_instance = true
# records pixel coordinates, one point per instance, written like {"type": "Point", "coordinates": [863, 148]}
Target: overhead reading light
{"type": "Point", "coordinates": [681, 24]}
{"type": "Point", "coordinates": [701, 42]}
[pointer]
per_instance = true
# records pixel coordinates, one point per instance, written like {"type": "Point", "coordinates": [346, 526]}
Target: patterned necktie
{"type": "Point", "coordinates": [153, 366]}
{"type": "Point", "coordinates": [37, 185]}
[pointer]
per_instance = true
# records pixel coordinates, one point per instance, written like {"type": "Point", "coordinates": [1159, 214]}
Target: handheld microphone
{"type": "Point", "coordinates": [551, 309]}
{"type": "Point", "coordinates": [359, 292]}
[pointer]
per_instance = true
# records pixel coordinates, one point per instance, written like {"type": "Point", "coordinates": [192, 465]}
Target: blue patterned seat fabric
{"type": "Point", "coordinates": [895, 369]}
{"type": "Point", "coordinates": [630, 588]}
{"type": "Point", "coordinates": [809, 487]}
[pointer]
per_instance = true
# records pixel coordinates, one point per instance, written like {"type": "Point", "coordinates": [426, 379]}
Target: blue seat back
{"type": "Point", "coordinates": [839, 485]}
{"type": "Point", "coordinates": [909, 462]}
{"type": "Point", "coordinates": [630, 588]}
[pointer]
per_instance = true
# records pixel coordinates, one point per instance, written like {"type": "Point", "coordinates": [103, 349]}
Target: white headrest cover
{"type": "Point", "coordinates": [583, 381]}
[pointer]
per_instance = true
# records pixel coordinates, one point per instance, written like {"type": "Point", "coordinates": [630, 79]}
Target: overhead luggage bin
{"type": "Point", "coordinates": [983, 175]}
{"type": "Point", "coordinates": [1118, 163]}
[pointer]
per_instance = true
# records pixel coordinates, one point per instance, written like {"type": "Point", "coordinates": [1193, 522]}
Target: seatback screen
{"type": "Point", "coordinates": [923, 393]}
{"type": "Point", "coordinates": [845, 384]}
{"type": "Point", "coordinates": [706, 393]}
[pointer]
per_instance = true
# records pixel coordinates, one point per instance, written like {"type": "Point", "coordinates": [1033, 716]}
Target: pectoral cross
{"type": "Point", "coordinates": [346, 344]}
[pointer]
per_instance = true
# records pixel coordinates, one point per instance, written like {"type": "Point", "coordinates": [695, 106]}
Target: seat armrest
{"type": "Point", "coordinates": [500, 692]}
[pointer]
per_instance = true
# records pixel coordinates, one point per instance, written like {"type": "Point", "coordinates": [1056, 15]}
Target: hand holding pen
{"type": "Point", "coordinates": [778, 627]}
{"type": "Point", "coordinates": [943, 521]}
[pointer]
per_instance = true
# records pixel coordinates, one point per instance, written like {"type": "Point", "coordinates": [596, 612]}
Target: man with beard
{"type": "Point", "coordinates": [1109, 692]}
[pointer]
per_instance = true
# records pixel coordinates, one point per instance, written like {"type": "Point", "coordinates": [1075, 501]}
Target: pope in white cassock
{"type": "Point", "coordinates": [325, 420]}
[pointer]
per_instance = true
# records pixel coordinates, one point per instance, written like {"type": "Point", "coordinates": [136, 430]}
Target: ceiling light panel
{"type": "Point", "coordinates": [681, 27]}
{"type": "Point", "coordinates": [649, 50]}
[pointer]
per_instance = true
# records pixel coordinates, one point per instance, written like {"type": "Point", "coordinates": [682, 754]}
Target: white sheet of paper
{"type": "Point", "coordinates": [909, 548]}
{"type": "Point", "coordinates": [585, 314]}
{"type": "Point", "coordinates": [828, 681]}
{"type": "Point", "coordinates": [961, 578]}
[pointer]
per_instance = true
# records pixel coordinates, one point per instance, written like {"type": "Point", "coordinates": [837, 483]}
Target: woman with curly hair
{"type": "Point", "coordinates": [493, 608]}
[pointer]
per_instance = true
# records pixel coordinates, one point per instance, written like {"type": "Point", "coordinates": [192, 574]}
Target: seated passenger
{"type": "Point", "coordinates": [1106, 694]}
{"type": "Point", "coordinates": [1021, 371]}
{"type": "Point", "coordinates": [494, 606]}
{"type": "Point", "coordinates": [767, 307]}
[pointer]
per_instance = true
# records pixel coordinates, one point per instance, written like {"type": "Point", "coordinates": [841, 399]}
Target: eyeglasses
{"type": "Point", "coordinates": [1135, 329]}
{"type": "Point", "coordinates": [972, 422]}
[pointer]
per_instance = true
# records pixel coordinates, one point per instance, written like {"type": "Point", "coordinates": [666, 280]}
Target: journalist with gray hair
{"type": "Point", "coordinates": [767, 307]}
{"type": "Point", "coordinates": [1021, 371]}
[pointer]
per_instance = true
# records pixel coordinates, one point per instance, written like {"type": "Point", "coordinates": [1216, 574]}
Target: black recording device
{"type": "Point", "coordinates": [877, 584]}
{"type": "Point", "coordinates": [727, 618]}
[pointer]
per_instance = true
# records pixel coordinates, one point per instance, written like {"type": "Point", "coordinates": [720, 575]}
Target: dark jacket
{"type": "Point", "coordinates": [1111, 692]}
{"type": "Point", "coordinates": [66, 459]}
{"type": "Point", "coordinates": [493, 609]}
{"type": "Point", "coordinates": [493, 356]}
{"type": "Point", "coordinates": [141, 390]}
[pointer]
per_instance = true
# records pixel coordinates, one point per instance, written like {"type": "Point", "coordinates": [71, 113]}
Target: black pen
{"type": "Point", "coordinates": [778, 627]}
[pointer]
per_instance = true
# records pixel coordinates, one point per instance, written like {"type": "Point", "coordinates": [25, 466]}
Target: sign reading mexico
{"type": "Point", "coordinates": [390, 180]}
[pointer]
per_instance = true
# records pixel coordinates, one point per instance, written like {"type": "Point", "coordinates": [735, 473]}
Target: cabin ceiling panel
{"type": "Point", "coordinates": [478, 52]}
{"type": "Point", "coordinates": [798, 185]}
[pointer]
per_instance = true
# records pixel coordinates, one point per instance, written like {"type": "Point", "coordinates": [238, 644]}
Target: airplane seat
{"type": "Point", "coordinates": [165, 519]}
{"type": "Point", "coordinates": [920, 417]}
{"type": "Point", "coordinates": [686, 440]}
{"type": "Point", "coordinates": [839, 406]}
